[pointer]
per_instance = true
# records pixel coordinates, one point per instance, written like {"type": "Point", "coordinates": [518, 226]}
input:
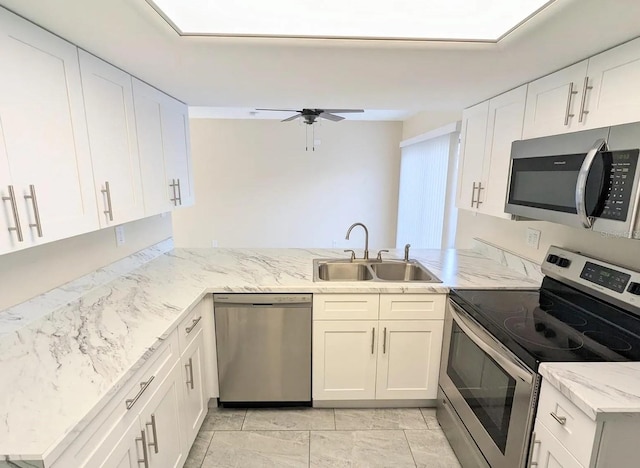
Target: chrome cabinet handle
{"type": "Point", "coordinates": [36, 211]}
{"type": "Point", "coordinates": [384, 341]}
{"type": "Point", "coordinates": [569, 99]}
{"type": "Point", "coordinates": [581, 184]}
{"type": "Point", "coordinates": [561, 419]}
{"type": "Point", "coordinates": [473, 194]}
{"type": "Point", "coordinates": [109, 211]}
{"type": "Point", "coordinates": [153, 444]}
{"type": "Point", "coordinates": [583, 101]}
{"type": "Point", "coordinates": [145, 455]}
{"type": "Point", "coordinates": [532, 445]}
{"type": "Point", "coordinates": [173, 185]}
{"type": "Point", "coordinates": [373, 334]}
{"type": "Point", "coordinates": [143, 387]}
{"type": "Point", "coordinates": [179, 193]}
{"type": "Point", "coordinates": [189, 367]}
{"type": "Point", "coordinates": [193, 325]}
{"type": "Point", "coordinates": [480, 188]}
{"type": "Point", "coordinates": [14, 209]}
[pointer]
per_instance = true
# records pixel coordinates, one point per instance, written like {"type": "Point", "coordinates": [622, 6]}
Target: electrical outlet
{"type": "Point", "coordinates": [119, 235]}
{"type": "Point", "coordinates": [533, 238]}
{"type": "Point", "coordinates": [214, 243]}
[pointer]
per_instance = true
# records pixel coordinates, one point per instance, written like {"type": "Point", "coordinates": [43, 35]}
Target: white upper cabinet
{"type": "Point", "coordinates": [488, 129]}
{"type": "Point", "coordinates": [504, 126]}
{"type": "Point", "coordinates": [614, 79]}
{"type": "Point", "coordinates": [472, 146]}
{"type": "Point", "coordinates": [44, 153]}
{"type": "Point", "coordinates": [111, 123]}
{"type": "Point", "coordinates": [553, 102]}
{"type": "Point", "coordinates": [163, 140]}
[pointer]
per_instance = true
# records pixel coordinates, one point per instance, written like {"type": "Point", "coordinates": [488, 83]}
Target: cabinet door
{"type": "Point", "coordinates": [43, 136]}
{"type": "Point", "coordinates": [177, 148]}
{"type": "Point", "coordinates": [344, 360]}
{"type": "Point", "coordinates": [615, 79]}
{"type": "Point", "coordinates": [195, 401]}
{"type": "Point", "coordinates": [472, 148]}
{"type": "Point", "coordinates": [120, 450]}
{"type": "Point", "coordinates": [553, 102]}
{"type": "Point", "coordinates": [158, 194]}
{"type": "Point", "coordinates": [409, 359]}
{"type": "Point", "coordinates": [160, 418]}
{"type": "Point", "coordinates": [506, 116]}
{"type": "Point", "coordinates": [548, 452]}
{"type": "Point", "coordinates": [112, 135]}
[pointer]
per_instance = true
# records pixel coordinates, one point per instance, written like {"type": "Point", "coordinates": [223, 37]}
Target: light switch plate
{"type": "Point", "coordinates": [533, 238]}
{"type": "Point", "coordinates": [119, 235]}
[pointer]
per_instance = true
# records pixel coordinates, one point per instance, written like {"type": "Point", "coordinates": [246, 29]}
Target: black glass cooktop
{"type": "Point", "coordinates": [555, 324]}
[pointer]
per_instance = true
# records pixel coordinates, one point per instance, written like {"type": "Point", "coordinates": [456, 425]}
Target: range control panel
{"type": "Point", "coordinates": [607, 277]}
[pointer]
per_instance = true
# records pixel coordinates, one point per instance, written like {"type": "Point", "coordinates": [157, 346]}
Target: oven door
{"type": "Point", "coordinates": [491, 391]}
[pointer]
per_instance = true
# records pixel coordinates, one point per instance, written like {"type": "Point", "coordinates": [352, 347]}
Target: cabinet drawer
{"type": "Point", "coordinates": [412, 306]}
{"type": "Point", "coordinates": [578, 431]}
{"type": "Point", "coordinates": [345, 306]}
{"type": "Point", "coordinates": [115, 416]}
{"type": "Point", "coordinates": [548, 452]}
{"type": "Point", "coordinates": [191, 325]}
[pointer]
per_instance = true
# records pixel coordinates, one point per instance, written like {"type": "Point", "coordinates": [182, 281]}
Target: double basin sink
{"type": "Point", "coordinates": [371, 270]}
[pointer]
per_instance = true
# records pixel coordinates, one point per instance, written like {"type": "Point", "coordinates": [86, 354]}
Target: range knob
{"type": "Point", "coordinates": [552, 258]}
{"type": "Point", "coordinates": [563, 262]}
{"type": "Point", "coordinates": [634, 288]}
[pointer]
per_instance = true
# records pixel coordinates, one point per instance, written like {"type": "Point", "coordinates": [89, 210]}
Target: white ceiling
{"type": "Point", "coordinates": [294, 73]}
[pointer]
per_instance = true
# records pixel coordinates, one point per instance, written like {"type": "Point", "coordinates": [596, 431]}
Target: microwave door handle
{"type": "Point", "coordinates": [581, 184]}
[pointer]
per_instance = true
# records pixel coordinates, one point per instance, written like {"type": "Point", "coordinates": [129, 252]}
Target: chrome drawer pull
{"type": "Point", "coordinates": [585, 88]}
{"type": "Point", "coordinates": [107, 192]}
{"type": "Point", "coordinates": [145, 455]}
{"type": "Point", "coordinates": [373, 335]}
{"type": "Point", "coordinates": [193, 325]}
{"type": "Point", "coordinates": [173, 185]}
{"type": "Point", "coordinates": [179, 193]}
{"type": "Point", "coordinates": [190, 368]}
{"type": "Point", "coordinates": [534, 442]}
{"type": "Point", "coordinates": [561, 419]}
{"type": "Point", "coordinates": [36, 211]}
{"type": "Point", "coordinates": [569, 99]}
{"type": "Point", "coordinates": [143, 387]}
{"type": "Point", "coordinates": [384, 341]}
{"type": "Point", "coordinates": [480, 188]}
{"type": "Point", "coordinates": [14, 209]}
{"type": "Point", "coordinates": [153, 444]}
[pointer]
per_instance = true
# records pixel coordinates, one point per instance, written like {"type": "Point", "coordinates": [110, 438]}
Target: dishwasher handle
{"type": "Point", "coordinates": [262, 300]}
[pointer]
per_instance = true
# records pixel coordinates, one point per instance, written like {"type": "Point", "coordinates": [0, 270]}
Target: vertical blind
{"type": "Point", "coordinates": [423, 193]}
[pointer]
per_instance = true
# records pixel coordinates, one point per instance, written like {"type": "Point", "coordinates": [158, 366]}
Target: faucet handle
{"type": "Point", "coordinates": [353, 254]}
{"type": "Point", "coordinates": [380, 254]}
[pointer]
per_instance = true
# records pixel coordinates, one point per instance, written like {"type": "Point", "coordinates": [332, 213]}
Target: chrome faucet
{"type": "Point", "coordinates": [366, 238]}
{"type": "Point", "coordinates": [406, 252]}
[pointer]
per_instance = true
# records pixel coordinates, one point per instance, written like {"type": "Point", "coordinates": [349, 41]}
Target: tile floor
{"type": "Point", "coordinates": [312, 437]}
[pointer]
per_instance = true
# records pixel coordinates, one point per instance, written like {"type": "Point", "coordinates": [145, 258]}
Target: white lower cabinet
{"type": "Point", "coordinates": [356, 359]}
{"type": "Point", "coordinates": [195, 401]}
{"type": "Point", "coordinates": [409, 359]}
{"type": "Point", "coordinates": [121, 453]}
{"type": "Point", "coordinates": [548, 452]}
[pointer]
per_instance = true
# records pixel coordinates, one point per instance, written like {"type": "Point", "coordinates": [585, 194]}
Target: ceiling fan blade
{"type": "Point", "coordinates": [333, 118]}
{"type": "Point", "coordinates": [293, 117]}
{"type": "Point", "coordinates": [343, 111]}
{"type": "Point", "coordinates": [279, 110]}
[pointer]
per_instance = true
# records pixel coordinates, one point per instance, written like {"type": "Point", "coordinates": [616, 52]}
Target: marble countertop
{"type": "Point", "coordinates": [597, 388]}
{"type": "Point", "coordinates": [64, 354]}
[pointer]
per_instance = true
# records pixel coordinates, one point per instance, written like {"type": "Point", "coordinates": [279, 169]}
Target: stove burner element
{"type": "Point", "coordinates": [613, 342]}
{"type": "Point", "coordinates": [540, 334]}
{"type": "Point", "coordinates": [567, 317]}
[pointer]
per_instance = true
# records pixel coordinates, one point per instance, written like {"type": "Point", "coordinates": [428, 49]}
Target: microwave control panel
{"type": "Point", "coordinates": [620, 183]}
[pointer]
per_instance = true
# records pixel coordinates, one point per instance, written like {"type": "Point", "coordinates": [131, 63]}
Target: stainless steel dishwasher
{"type": "Point", "coordinates": [264, 348]}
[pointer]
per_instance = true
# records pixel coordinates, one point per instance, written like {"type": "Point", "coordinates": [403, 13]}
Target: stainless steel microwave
{"type": "Point", "coordinates": [587, 179]}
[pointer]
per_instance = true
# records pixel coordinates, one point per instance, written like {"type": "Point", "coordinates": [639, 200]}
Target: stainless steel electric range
{"type": "Point", "coordinates": [495, 340]}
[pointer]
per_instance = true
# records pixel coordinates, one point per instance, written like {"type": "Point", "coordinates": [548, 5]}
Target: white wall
{"type": "Point", "coordinates": [256, 186]}
{"type": "Point", "coordinates": [33, 271]}
{"type": "Point", "coordinates": [426, 121]}
{"type": "Point", "coordinates": [511, 235]}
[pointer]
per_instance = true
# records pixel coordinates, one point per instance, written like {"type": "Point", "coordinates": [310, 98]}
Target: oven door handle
{"type": "Point", "coordinates": [489, 344]}
{"type": "Point", "coordinates": [581, 184]}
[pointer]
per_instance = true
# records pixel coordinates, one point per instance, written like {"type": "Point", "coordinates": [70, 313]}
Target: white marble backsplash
{"type": "Point", "coordinates": [515, 262]}
{"type": "Point", "coordinates": [18, 316]}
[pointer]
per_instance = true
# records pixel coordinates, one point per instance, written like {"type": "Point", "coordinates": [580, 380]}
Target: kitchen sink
{"type": "Point", "coordinates": [372, 270]}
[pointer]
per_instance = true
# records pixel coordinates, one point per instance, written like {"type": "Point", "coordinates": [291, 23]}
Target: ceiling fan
{"type": "Point", "coordinates": [311, 115]}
